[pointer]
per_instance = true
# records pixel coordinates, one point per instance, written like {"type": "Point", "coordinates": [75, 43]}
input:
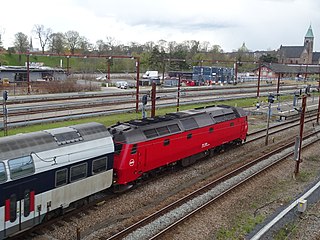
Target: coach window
{"type": "Point", "coordinates": [26, 206]}
{"type": "Point", "coordinates": [99, 165]}
{"type": "Point", "coordinates": [211, 130]}
{"type": "Point", "coordinates": [61, 177]}
{"type": "Point", "coordinates": [166, 142]}
{"type": "Point", "coordinates": [189, 136]}
{"type": "Point", "coordinates": [134, 149]}
{"type": "Point", "coordinates": [20, 167]}
{"type": "Point", "coordinates": [13, 208]}
{"type": "Point", "coordinates": [3, 176]}
{"type": "Point", "coordinates": [78, 172]}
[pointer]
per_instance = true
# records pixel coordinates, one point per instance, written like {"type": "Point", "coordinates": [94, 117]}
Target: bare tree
{"type": "Point", "coordinates": [43, 35]}
{"type": "Point", "coordinates": [73, 40]}
{"type": "Point", "coordinates": [21, 43]}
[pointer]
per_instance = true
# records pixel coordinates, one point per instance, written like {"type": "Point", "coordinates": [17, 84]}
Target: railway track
{"type": "Point", "coordinates": [164, 220]}
{"type": "Point", "coordinates": [40, 105]}
{"type": "Point", "coordinates": [61, 221]}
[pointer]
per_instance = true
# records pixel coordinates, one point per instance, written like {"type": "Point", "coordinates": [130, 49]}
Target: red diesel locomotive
{"type": "Point", "coordinates": [142, 146]}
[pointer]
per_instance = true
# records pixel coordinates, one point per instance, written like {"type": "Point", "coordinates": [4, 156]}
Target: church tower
{"type": "Point", "coordinates": [308, 43]}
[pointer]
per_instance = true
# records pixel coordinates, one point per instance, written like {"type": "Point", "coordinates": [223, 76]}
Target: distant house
{"type": "Point", "coordinates": [273, 70]}
{"type": "Point", "coordinates": [300, 54]}
{"type": "Point", "coordinates": [36, 73]}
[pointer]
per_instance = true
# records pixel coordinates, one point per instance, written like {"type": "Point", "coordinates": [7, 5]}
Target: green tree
{"type": "Point", "coordinates": [268, 58]}
{"type": "Point", "coordinates": [21, 43]}
{"type": "Point", "coordinates": [57, 43]}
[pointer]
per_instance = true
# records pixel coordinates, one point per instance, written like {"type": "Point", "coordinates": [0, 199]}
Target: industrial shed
{"type": "Point", "coordinates": [36, 73]}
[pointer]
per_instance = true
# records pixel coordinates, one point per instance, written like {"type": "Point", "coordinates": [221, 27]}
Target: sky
{"type": "Point", "coordinates": [260, 24]}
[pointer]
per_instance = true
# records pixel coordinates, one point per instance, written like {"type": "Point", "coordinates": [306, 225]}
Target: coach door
{"type": "Point", "coordinates": [19, 209]}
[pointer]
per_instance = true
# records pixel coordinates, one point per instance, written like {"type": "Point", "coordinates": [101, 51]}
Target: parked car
{"type": "Point", "coordinates": [122, 84]}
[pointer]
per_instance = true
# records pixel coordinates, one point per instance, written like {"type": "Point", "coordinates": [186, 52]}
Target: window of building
{"type": "Point", "coordinates": [61, 177]}
{"type": "Point", "coordinates": [78, 172]}
{"type": "Point", "coordinates": [21, 167]}
{"type": "Point", "coordinates": [99, 165]}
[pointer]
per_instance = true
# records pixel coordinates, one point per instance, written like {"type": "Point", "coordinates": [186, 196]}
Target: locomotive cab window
{"type": "Point", "coordinates": [134, 149]}
{"type": "Point", "coordinates": [99, 165]}
{"type": "Point", "coordinates": [3, 175]}
{"type": "Point", "coordinates": [78, 172]}
{"type": "Point", "coordinates": [61, 177]}
{"type": "Point", "coordinates": [20, 167]}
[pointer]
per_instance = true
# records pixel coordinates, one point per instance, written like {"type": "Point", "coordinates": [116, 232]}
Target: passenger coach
{"type": "Point", "coordinates": [46, 172]}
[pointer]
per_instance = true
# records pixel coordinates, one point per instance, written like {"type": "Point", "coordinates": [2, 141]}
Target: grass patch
{"type": "Point", "coordinates": [313, 158]}
{"type": "Point", "coordinates": [304, 176]}
{"type": "Point", "coordinates": [284, 232]}
{"type": "Point", "coordinates": [244, 224]}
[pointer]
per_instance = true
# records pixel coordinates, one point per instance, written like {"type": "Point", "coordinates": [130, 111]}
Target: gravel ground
{"type": "Point", "coordinates": [127, 208]}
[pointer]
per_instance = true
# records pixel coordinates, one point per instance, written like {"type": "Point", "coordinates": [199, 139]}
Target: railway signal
{"type": "Point", "coordinates": [270, 100]}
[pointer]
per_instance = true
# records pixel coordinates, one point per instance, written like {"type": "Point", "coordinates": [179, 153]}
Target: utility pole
{"type": "Point", "coordinates": [153, 100]}
{"type": "Point", "coordinates": [318, 114]}
{"type": "Point", "coordinates": [259, 77]}
{"type": "Point", "coordinates": [178, 97]}
{"type": "Point", "coordinates": [28, 73]}
{"type": "Point", "coordinates": [137, 87]}
{"type": "Point", "coordinates": [299, 144]}
{"type": "Point", "coordinates": [5, 113]}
